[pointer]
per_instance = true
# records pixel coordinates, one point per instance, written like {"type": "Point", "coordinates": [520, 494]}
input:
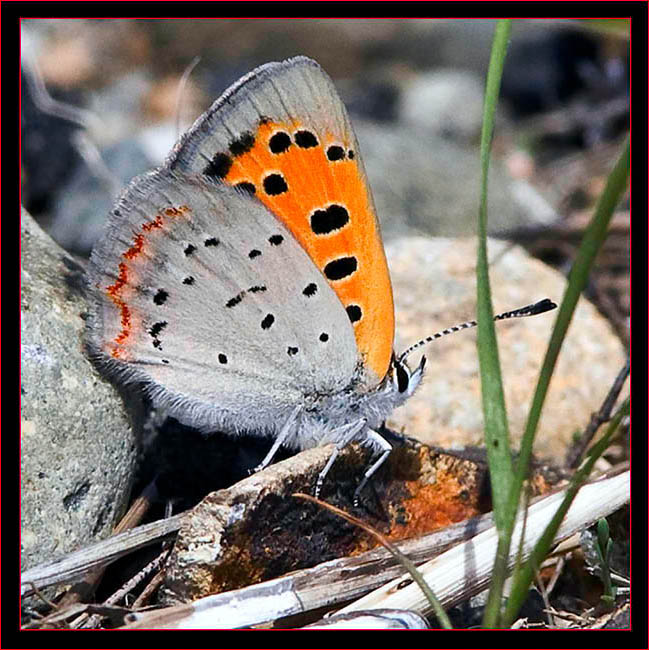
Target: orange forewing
{"type": "Point", "coordinates": [315, 182]}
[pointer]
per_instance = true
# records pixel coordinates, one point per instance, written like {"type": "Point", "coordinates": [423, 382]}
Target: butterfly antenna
{"type": "Point", "coordinates": [529, 310]}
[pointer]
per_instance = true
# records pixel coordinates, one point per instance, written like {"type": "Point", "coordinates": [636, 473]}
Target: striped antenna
{"type": "Point", "coordinates": [529, 310]}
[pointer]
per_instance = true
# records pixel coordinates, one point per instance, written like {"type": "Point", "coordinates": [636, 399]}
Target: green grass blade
{"type": "Point", "coordinates": [526, 573]}
{"type": "Point", "coordinates": [496, 432]}
{"type": "Point", "coordinates": [577, 279]}
{"type": "Point", "coordinates": [493, 399]}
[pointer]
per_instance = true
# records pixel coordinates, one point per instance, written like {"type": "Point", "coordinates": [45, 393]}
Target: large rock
{"type": "Point", "coordinates": [446, 101]}
{"type": "Point", "coordinates": [435, 287]}
{"type": "Point", "coordinates": [77, 446]}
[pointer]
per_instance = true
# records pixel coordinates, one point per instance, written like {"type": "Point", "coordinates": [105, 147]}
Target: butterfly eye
{"type": "Point", "coordinates": [403, 377]}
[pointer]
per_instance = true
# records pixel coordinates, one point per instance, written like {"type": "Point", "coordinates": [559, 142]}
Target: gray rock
{"type": "Point", "coordinates": [79, 216]}
{"type": "Point", "coordinates": [118, 107]}
{"type": "Point", "coordinates": [446, 102]}
{"type": "Point", "coordinates": [424, 184]}
{"type": "Point", "coordinates": [435, 287]}
{"type": "Point", "coordinates": [77, 447]}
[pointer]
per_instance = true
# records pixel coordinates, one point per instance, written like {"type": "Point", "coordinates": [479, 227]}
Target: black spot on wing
{"type": "Point", "coordinates": [274, 184]}
{"type": "Point", "coordinates": [354, 312]}
{"type": "Point", "coordinates": [246, 187]}
{"type": "Point", "coordinates": [160, 297]}
{"type": "Point", "coordinates": [235, 300]}
{"type": "Point", "coordinates": [219, 166]}
{"type": "Point", "coordinates": [341, 268]}
{"type": "Point", "coordinates": [334, 153]}
{"type": "Point", "coordinates": [244, 143]}
{"type": "Point", "coordinates": [324, 222]}
{"type": "Point", "coordinates": [310, 289]}
{"type": "Point", "coordinates": [305, 139]}
{"type": "Point", "coordinates": [279, 142]}
{"type": "Point", "coordinates": [156, 328]}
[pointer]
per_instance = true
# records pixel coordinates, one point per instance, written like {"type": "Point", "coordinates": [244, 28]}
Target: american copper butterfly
{"type": "Point", "coordinates": [244, 283]}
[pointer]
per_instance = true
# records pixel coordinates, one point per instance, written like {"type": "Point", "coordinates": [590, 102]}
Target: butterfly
{"type": "Point", "coordinates": [244, 283]}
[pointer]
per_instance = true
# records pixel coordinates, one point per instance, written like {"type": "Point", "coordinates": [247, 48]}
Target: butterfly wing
{"type": "Point", "coordinates": [203, 295]}
{"type": "Point", "coordinates": [283, 134]}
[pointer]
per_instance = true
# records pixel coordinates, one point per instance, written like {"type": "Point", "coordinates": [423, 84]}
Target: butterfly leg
{"type": "Point", "coordinates": [384, 449]}
{"type": "Point", "coordinates": [283, 435]}
{"type": "Point", "coordinates": [347, 434]}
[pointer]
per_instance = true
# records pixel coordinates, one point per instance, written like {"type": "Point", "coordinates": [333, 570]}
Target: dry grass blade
{"type": "Point", "coordinates": [464, 559]}
{"type": "Point", "coordinates": [466, 569]}
{"type": "Point", "coordinates": [77, 565]}
{"type": "Point", "coordinates": [82, 590]}
{"type": "Point", "coordinates": [576, 452]}
{"type": "Point", "coordinates": [299, 593]}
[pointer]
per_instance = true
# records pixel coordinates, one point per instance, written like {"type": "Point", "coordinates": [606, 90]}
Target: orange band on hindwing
{"type": "Point", "coordinates": [127, 279]}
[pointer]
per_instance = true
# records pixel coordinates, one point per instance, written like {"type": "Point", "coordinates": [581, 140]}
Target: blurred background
{"type": "Point", "coordinates": [105, 100]}
{"type": "Point", "coordinates": [102, 101]}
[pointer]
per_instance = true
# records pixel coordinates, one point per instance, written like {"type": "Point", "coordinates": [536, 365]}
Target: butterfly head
{"type": "Point", "coordinates": [401, 380]}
